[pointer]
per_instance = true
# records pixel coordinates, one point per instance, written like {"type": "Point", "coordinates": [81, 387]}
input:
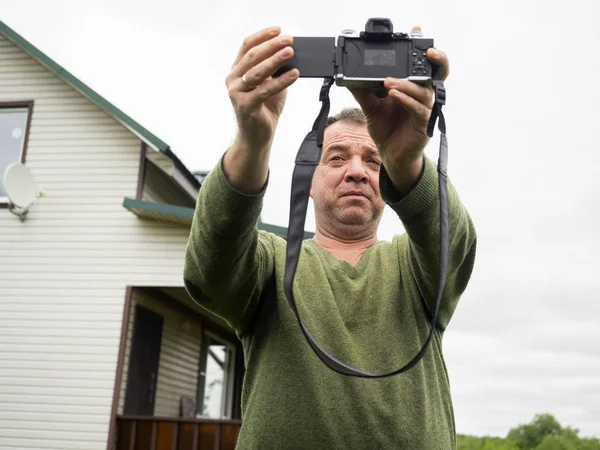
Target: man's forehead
{"type": "Point", "coordinates": [343, 134]}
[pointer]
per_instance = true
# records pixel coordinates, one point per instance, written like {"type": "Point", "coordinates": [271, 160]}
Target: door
{"type": "Point", "coordinates": [143, 363]}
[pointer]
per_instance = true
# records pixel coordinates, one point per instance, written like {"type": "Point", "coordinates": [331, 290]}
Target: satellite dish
{"type": "Point", "coordinates": [20, 188]}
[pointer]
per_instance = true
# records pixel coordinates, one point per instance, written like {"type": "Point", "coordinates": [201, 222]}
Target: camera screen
{"type": "Point", "coordinates": [374, 57]}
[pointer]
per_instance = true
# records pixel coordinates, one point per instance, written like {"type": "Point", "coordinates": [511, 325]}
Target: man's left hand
{"type": "Point", "coordinates": [398, 123]}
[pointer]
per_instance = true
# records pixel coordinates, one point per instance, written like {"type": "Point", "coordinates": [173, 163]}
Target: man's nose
{"type": "Point", "coordinates": [356, 170]}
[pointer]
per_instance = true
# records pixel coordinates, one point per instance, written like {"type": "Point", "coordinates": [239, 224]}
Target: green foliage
{"type": "Point", "coordinates": [589, 444]}
{"type": "Point", "coordinates": [566, 442]}
{"type": "Point", "coordinates": [529, 436]}
{"type": "Point", "coordinates": [484, 443]}
{"type": "Point", "coordinates": [556, 443]}
{"type": "Point", "coordinates": [544, 432]}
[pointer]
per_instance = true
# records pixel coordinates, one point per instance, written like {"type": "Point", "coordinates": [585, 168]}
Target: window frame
{"type": "Point", "coordinates": [14, 105]}
{"type": "Point", "coordinates": [228, 394]}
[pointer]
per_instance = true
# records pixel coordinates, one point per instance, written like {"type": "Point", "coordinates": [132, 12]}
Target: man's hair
{"type": "Point", "coordinates": [354, 116]}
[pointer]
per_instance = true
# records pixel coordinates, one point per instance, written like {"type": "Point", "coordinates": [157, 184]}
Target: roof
{"type": "Point", "coordinates": [149, 210]}
{"type": "Point", "coordinates": [181, 215]}
{"type": "Point", "coordinates": [142, 133]}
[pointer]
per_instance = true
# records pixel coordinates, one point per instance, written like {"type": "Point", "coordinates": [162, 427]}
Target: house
{"type": "Point", "coordinates": [100, 345]}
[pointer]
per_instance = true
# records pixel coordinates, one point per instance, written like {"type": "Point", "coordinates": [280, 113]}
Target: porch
{"type": "Point", "coordinates": [179, 376]}
{"type": "Point", "coordinates": [172, 433]}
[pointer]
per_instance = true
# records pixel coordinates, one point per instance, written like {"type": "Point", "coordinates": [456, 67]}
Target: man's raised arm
{"type": "Point", "coordinates": [420, 214]}
{"type": "Point", "coordinates": [408, 182]}
{"type": "Point", "coordinates": [227, 262]}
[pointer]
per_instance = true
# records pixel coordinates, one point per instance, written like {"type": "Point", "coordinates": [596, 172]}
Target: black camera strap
{"type": "Point", "coordinates": [307, 159]}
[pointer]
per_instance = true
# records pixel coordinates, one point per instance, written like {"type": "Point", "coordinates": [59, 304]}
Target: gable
{"type": "Point", "coordinates": [60, 72]}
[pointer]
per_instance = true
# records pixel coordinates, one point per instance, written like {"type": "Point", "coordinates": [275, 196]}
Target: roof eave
{"type": "Point", "coordinates": [181, 215]}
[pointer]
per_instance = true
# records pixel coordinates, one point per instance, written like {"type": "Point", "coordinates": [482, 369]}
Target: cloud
{"type": "Point", "coordinates": [510, 381]}
{"type": "Point", "coordinates": [521, 113]}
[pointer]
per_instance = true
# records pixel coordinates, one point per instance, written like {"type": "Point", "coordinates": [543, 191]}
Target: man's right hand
{"type": "Point", "coordinates": [258, 98]}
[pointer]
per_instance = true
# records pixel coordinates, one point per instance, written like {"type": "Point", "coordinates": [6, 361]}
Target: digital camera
{"type": "Point", "coordinates": [365, 59]}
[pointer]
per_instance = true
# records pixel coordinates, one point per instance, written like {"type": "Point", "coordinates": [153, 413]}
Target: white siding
{"type": "Point", "coordinates": [64, 271]}
{"type": "Point", "coordinates": [179, 356]}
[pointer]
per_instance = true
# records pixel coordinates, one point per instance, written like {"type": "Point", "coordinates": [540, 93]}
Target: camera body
{"type": "Point", "coordinates": [365, 59]}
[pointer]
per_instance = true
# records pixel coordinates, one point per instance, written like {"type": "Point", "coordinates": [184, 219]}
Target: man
{"type": "Point", "coordinates": [366, 301]}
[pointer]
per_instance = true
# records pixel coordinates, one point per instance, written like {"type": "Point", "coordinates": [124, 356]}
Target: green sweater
{"type": "Point", "coordinates": [372, 316]}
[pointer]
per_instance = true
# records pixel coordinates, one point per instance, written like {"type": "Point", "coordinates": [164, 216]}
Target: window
{"type": "Point", "coordinates": [14, 129]}
{"type": "Point", "coordinates": [216, 377]}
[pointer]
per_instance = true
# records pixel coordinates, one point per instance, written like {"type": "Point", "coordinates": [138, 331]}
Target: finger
{"type": "Point", "coordinates": [267, 68]}
{"type": "Point", "coordinates": [365, 98]}
{"type": "Point", "coordinates": [437, 57]}
{"type": "Point", "coordinates": [254, 40]}
{"type": "Point", "coordinates": [260, 53]}
{"type": "Point", "coordinates": [415, 108]}
{"type": "Point", "coordinates": [440, 59]}
{"type": "Point", "coordinates": [422, 94]}
{"type": "Point", "coordinates": [270, 87]}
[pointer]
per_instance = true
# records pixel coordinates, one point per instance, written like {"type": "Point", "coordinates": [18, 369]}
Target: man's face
{"type": "Point", "coordinates": [345, 187]}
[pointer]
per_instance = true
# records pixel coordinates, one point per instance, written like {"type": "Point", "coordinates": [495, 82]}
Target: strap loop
{"type": "Point", "coordinates": [307, 159]}
{"type": "Point", "coordinates": [440, 100]}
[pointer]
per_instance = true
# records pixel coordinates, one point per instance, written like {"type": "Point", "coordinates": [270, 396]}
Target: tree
{"type": "Point", "coordinates": [568, 442]}
{"type": "Point", "coordinates": [557, 443]}
{"type": "Point", "coordinates": [588, 444]}
{"type": "Point", "coordinates": [542, 433]}
{"type": "Point", "coordinates": [465, 442]}
{"type": "Point", "coordinates": [498, 444]}
{"type": "Point", "coordinates": [529, 436]}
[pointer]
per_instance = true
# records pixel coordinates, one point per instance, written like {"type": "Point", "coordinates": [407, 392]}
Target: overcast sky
{"type": "Point", "coordinates": [522, 116]}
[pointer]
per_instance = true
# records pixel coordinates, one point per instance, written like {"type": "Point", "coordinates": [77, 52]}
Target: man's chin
{"type": "Point", "coordinates": [354, 219]}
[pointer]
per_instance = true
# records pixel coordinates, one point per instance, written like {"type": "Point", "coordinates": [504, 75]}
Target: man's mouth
{"type": "Point", "coordinates": [354, 194]}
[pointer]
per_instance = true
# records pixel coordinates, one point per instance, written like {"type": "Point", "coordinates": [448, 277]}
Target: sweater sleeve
{"type": "Point", "coordinates": [420, 214]}
{"type": "Point", "coordinates": [227, 260]}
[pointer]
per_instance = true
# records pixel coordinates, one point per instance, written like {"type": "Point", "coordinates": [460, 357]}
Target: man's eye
{"type": "Point", "coordinates": [335, 158]}
{"type": "Point", "coordinates": [375, 161]}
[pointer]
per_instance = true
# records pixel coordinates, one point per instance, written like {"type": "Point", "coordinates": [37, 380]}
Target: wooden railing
{"type": "Point", "coordinates": [175, 433]}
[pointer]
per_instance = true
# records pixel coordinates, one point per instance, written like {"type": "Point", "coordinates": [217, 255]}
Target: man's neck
{"type": "Point", "coordinates": [349, 250]}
